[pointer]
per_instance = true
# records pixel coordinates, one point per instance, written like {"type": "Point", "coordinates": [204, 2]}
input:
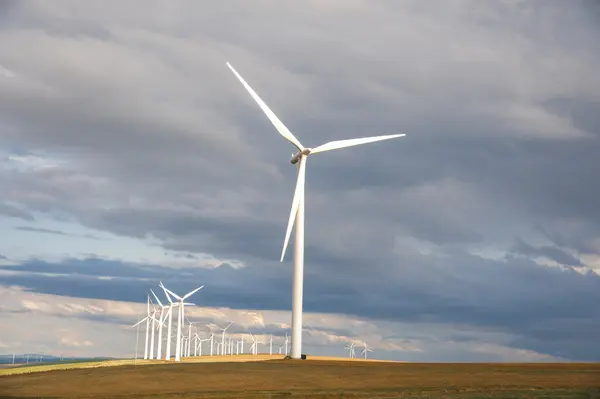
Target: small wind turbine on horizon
{"type": "Point", "coordinates": [297, 210]}
{"type": "Point", "coordinates": [350, 348]}
{"type": "Point", "coordinates": [254, 347]}
{"type": "Point", "coordinates": [223, 348]}
{"type": "Point", "coordinates": [365, 350]}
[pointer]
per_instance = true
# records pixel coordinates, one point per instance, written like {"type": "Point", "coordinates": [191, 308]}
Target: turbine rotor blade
{"type": "Point", "coordinates": [139, 322]}
{"type": "Point", "coordinates": [298, 196]}
{"type": "Point", "coordinates": [189, 294]}
{"type": "Point", "coordinates": [165, 291]}
{"type": "Point", "coordinates": [281, 128]}
{"type": "Point", "coordinates": [172, 293]}
{"type": "Point", "coordinates": [158, 300]}
{"type": "Point", "coordinates": [334, 145]}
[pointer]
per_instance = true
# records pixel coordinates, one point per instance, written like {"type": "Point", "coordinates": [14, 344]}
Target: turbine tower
{"type": "Point", "coordinates": [297, 211]}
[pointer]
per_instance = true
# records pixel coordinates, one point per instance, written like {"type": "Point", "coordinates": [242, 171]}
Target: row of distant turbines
{"type": "Point", "coordinates": [352, 353]}
{"type": "Point", "coordinates": [190, 344]}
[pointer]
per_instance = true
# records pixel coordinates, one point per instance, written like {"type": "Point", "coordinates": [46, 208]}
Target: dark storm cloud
{"type": "Point", "coordinates": [160, 140]}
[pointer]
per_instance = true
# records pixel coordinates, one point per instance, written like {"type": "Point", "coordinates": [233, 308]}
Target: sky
{"type": "Point", "coordinates": [130, 154]}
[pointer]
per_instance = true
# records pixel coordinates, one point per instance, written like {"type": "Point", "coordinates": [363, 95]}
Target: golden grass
{"type": "Point", "coordinates": [132, 362]}
{"type": "Point", "coordinates": [310, 378]}
{"type": "Point", "coordinates": [140, 362]}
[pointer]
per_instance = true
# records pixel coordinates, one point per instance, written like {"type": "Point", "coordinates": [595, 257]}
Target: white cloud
{"type": "Point", "coordinates": [58, 325]}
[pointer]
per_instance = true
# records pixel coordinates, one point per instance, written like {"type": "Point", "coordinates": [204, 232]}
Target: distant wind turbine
{"type": "Point", "coordinates": [162, 318]}
{"type": "Point", "coordinates": [147, 320]}
{"type": "Point", "coordinates": [365, 350]}
{"type": "Point", "coordinates": [180, 315]}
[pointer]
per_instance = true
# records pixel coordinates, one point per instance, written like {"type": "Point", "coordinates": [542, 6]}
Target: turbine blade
{"type": "Point", "coordinates": [172, 293]}
{"type": "Point", "coordinates": [160, 284]}
{"type": "Point", "coordinates": [139, 322]}
{"type": "Point", "coordinates": [189, 294]}
{"type": "Point", "coordinates": [281, 128]}
{"type": "Point", "coordinates": [158, 300]}
{"type": "Point", "coordinates": [334, 145]}
{"type": "Point", "coordinates": [298, 196]}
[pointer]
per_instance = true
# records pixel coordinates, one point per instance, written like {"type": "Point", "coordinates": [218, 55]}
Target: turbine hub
{"type": "Point", "coordinates": [296, 157]}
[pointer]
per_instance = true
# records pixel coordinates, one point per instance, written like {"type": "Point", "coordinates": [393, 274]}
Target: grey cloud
{"type": "Point", "coordinates": [14, 211]}
{"type": "Point", "coordinates": [551, 252]}
{"type": "Point", "coordinates": [57, 232]}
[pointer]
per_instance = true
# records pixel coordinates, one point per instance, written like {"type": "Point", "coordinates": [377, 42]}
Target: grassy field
{"type": "Point", "coordinates": [309, 379]}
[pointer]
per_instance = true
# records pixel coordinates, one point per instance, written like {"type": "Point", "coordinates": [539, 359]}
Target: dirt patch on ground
{"type": "Point", "coordinates": [311, 378]}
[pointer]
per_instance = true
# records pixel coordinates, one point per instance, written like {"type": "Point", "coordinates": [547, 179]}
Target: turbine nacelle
{"type": "Point", "coordinates": [296, 157]}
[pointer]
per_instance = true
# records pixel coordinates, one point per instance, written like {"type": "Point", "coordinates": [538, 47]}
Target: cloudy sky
{"type": "Point", "coordinates": [129, 154]}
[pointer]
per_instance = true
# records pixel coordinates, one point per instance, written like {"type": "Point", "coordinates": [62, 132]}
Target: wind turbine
{"type": "Point", "coordinates": [223, 349]}
{"type": "Point", "coordinates": [170, 329]}
{"type": "Point", "coordinates": [162, 318]}
{"type": "Point", "coordinates": [297, 210]}
{"type": "Point", "coordinates": [180, 315]}
{"type": "Point", "coordinates": [254, 347]}
{"type": "Point", "coordinates": [364, 352]}
{"type": "Point", "coordinates": [190, 324]}
{"type": "Point", "coordinates": [350, 348]}
{"type": "Point", "coordinates": [147, 320]}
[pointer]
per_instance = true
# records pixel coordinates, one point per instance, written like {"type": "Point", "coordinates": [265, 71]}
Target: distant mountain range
{"type": "Point", "coordinates": [41, 358]}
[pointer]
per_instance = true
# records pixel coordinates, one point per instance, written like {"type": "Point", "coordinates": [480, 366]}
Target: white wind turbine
{"type": "Point", "coordinates": [297, 210]}
{"type": "Point", "coordinates": [170, 316]}
{"type": "Point", "coordinates": [350, 348]}
{"type": "Point", "coordinates": [365, 350]}
{"type": "Point", "coordinates": [223, 349]}
{"type": "Point", "coordinates": [154, 311]}
{"type": "Point", "coordinates": [254, 347]}
{"type": "Point", "coordinates": [162, 318]}
{"type": "Point", "coordinates": [147, 320]}
{"type": "Point", "coordinates": [190, 324]}
{"type": "Point", "coordinates": [180, 315]}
